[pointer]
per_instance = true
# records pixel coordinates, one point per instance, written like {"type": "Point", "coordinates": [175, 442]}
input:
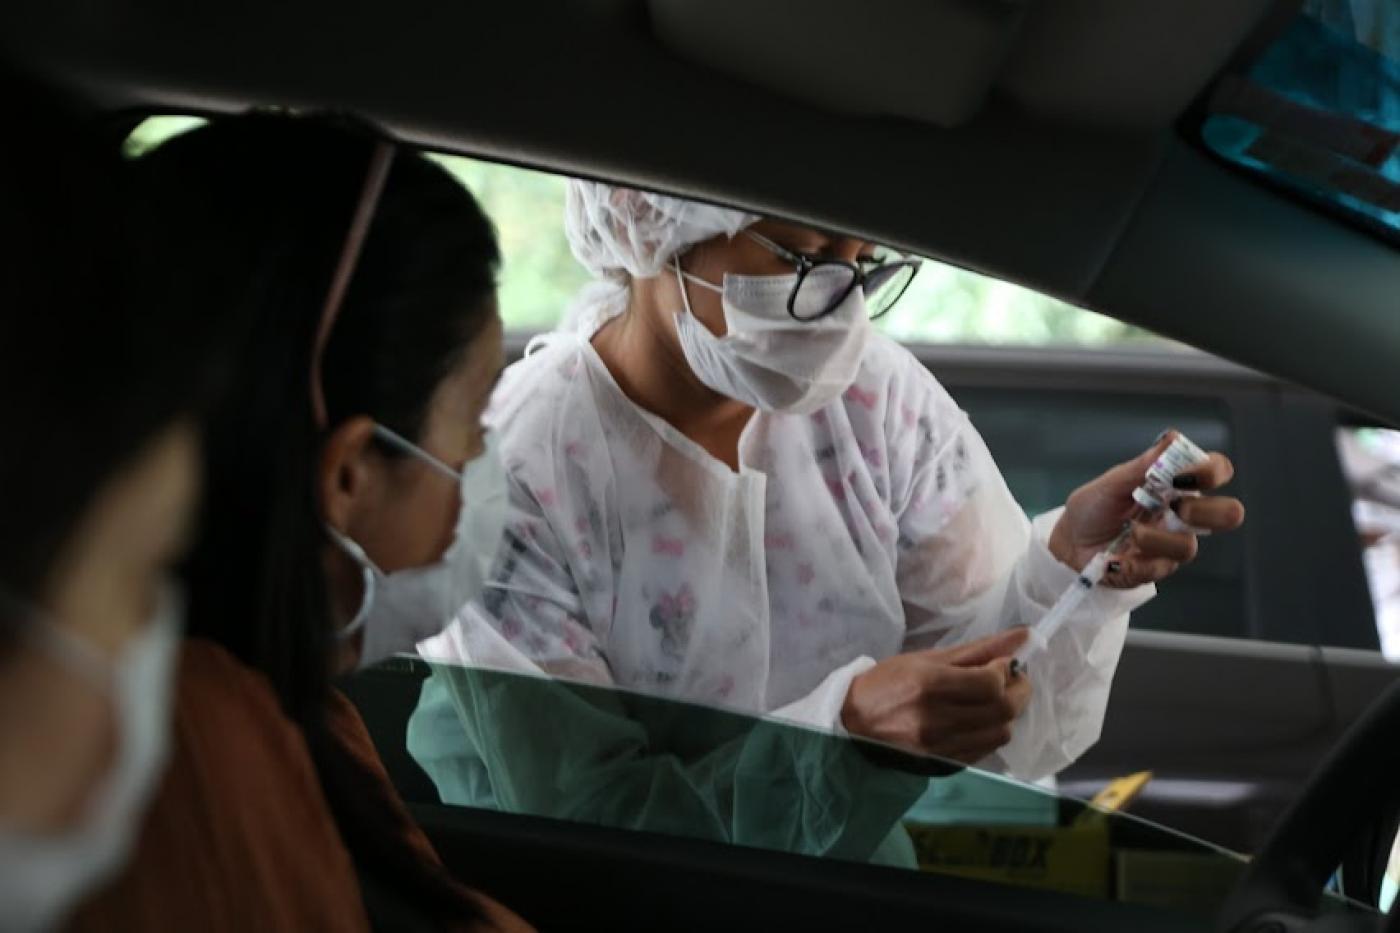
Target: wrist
{"type": "Point", "coordinates": [851, 718]}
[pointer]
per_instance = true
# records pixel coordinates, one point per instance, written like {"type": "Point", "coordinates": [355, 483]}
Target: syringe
{"type": "Point", "coordinates": [1155, 494]}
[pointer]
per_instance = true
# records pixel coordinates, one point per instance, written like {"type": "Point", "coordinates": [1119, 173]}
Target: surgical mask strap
{"type": "Point", "coordinates": [380, 161]}
{"type": "Point", "coordinates": [368, 573]}
{"type": "Point", "coordinates": [691, 277]}
{"type": "Point", "coordinates": [682, 277]}
{"type": "Point", "coordinates": [62, 645]}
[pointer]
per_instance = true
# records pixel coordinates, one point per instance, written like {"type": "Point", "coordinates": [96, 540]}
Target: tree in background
{"type": "Point", "coordinates": [539, 277]}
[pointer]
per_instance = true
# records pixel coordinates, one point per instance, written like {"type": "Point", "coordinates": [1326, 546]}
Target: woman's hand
{"type": "Point", "coordinates": [955, 703]}
{"type": "Point", "coordinates": [1095, 512]}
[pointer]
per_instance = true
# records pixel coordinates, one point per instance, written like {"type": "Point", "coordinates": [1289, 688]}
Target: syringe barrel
{"type": "Point", "coordinates": [1074, 594]}
{"type": "Point", "coordinates": [1154, 493]}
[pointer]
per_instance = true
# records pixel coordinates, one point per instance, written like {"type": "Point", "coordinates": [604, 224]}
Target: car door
{"type": "Point", "coordinates": [653, 813]}
{"type": "Point", "coordinates": [1221, 691]}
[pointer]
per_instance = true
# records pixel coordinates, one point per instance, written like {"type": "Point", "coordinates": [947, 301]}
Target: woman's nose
{"type": "Point", "coordinates": [848, 249]}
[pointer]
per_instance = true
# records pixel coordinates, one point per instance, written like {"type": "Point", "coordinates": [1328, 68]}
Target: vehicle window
{"type": "Point", "coordinates": [516, 743]}
{"type": "Point", "coordinates": [1390, 885]}
{"type": "Point", "coordinates": [1371, 463]}
{"type": "Point", "coordinates": [153, 131]}
{"type": "Point", "coordinates": [510, 741]}
{"type": "Point", "coordinates": [944, 304]}
{"type": "Point", "coordinates": [1048, 443]}
{"type": "Point", "coordinates": [1318, 112]}
{"type": "Point", "coordinates": [539, 277]}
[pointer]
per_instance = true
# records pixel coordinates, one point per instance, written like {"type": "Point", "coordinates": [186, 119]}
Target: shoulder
{"type": "Point", "coordinates": [229, 721]}
{"type": "Point", "coordinates": [214, 682]}
{"type": "Point", "coordinates": [537, 390]}
{"type": "Point", "coordinates": [240, 814]}
{"type": "Point", "coordinates": [893, 383]}
{"type": "Point", "coordinates": [227, 713]}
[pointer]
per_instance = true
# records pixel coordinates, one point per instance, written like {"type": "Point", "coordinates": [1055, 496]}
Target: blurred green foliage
{"type": "Point", "coordinates": [539, 276]}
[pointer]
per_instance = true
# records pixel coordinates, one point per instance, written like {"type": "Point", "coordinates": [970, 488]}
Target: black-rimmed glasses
{"type": "Point", "coordinates": [883, 278]}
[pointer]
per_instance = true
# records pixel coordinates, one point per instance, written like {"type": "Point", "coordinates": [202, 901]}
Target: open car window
{"type": "Point", "coordinates": [521, 744]}
{"type": "Point", "coordinates": [506, 740]}
{"type": "Point", "coordinates": [540, 277]}
{"type": "Point", "coordinates": [1045, 444]}
{"type": "Point", "coordinates": [944, 304]}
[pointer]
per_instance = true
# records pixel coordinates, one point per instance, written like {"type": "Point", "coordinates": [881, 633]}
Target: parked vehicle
{"type": "Point", "coordinates": [1054, 145]}
{"type": "Point", "coordinates": [1253, 660]}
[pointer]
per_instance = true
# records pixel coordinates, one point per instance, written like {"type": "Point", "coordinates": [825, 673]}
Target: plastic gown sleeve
{"type": "Point", "coordinates": [971, 564]}
{"type": "Point", "coordinates": [492, 730]}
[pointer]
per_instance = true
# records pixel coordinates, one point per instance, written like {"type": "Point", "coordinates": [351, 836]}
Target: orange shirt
{"type": "Point", "coordinates": [240, 836]}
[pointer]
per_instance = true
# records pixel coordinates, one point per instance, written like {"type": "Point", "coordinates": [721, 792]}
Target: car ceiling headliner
{"type": "Point", "coordinates": [1076, 192]}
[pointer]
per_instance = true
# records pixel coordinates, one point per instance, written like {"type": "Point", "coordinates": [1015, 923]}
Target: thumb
{"type": "Point", "coordinates": [1129, 475]}
{"type": "Point", "coordinates": [985, 650]}
{"type": "Point", "coordinates": [1144, 460]}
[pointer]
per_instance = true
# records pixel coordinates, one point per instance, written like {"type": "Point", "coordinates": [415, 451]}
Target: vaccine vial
{"type": "Point", "coordinates": [1156, 490]}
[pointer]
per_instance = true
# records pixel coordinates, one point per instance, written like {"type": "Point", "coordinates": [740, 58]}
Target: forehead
{"type": "Point", "coordinates": [142, 510]}
{"type": "Point", "coordinates": [477, 370]}
{"type": "Point", "coordinates": [772, 226]}
{"type": "Point", "coordinates": [799, 235]}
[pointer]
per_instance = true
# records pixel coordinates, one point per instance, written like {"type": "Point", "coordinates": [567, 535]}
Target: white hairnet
{"type": "Point", "coordinates": [613, 230]}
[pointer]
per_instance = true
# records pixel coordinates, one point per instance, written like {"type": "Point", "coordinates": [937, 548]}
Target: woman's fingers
{"type": "Point", "coordinates": [1018, 689]}
{"type": "Point", "coordinates": [966, 686]}
{"type": "Point", "coordinates": [971, 747]}
{"type": "Point", "coordinates": [1138, 571]}
{"type": "Point", "coordinates": [1214, 473]}
{"type": "Point", "coordinates": [971, 700]}
{"type": "Point", "coordinates": [1214, 513]}
{"type": "Point", "coordinates": [1154, 542]}
{"type": "Point", "coordinates": [1158, 553]}
{"type": "Point", "coordinates": [954, 720]}
{"type": "Point", "coordinates": [983, 651]}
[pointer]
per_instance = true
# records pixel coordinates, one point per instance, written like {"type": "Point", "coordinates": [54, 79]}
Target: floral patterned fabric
{"type": "Point", "coordinates": [877, 525]}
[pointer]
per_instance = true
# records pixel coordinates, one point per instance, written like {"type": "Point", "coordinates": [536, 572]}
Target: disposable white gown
{"type": "Point", "coordinates": [879, 524]}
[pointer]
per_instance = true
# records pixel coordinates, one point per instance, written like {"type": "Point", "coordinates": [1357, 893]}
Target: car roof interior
{"type": "Point", "coordinates": [1038, 142]}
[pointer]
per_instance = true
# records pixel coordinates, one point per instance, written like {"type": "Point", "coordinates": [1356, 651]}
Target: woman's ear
{"type": "Point", "coordinates": [346, 480]}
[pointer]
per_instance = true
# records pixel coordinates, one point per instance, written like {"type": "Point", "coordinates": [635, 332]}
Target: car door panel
{"type": "Point", "coordinates": [1228, 727]}
{"type": "Point", "coordinates": [1355, 679]}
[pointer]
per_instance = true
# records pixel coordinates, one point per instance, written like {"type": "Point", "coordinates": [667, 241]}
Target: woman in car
{"type": "Point", "coordinates": [727, 488]}
{"type": "Point", "coordinates": [101, 473]}
{"type": "Point", "coordinates": [351, 491]}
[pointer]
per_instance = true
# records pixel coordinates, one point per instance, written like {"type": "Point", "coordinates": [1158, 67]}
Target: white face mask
{"type": "Point", "coordinates": [402, 608]}
{"type": "Point", "coordinates": [768, 359]}
{"type": "Point", "coordinates": [42, 877]}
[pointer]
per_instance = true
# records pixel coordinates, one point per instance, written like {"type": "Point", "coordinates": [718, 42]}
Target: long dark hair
{"type": "Point", "coordinates": [94, 359]}
{"type": "Point", "coordinates": [272, 198]}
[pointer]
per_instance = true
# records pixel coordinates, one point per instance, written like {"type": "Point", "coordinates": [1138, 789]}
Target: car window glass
{"type": "Point", "coordinates": [1390, 884]}
{"type": "Point", "coordinates": [1047, 443]}
{"type": "Point", "coordinates": [539, 277]}
{"type": "Point", "coordinates": [523, 744]}
{"type": "Point", "coordinates": [943, 303]}
{"type": "Point", "coordinates": [526, 745]}
{"type": "Point", "coordinates": [1370, 458]}
{"type": "Point", "coordinates": [153, 131]}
